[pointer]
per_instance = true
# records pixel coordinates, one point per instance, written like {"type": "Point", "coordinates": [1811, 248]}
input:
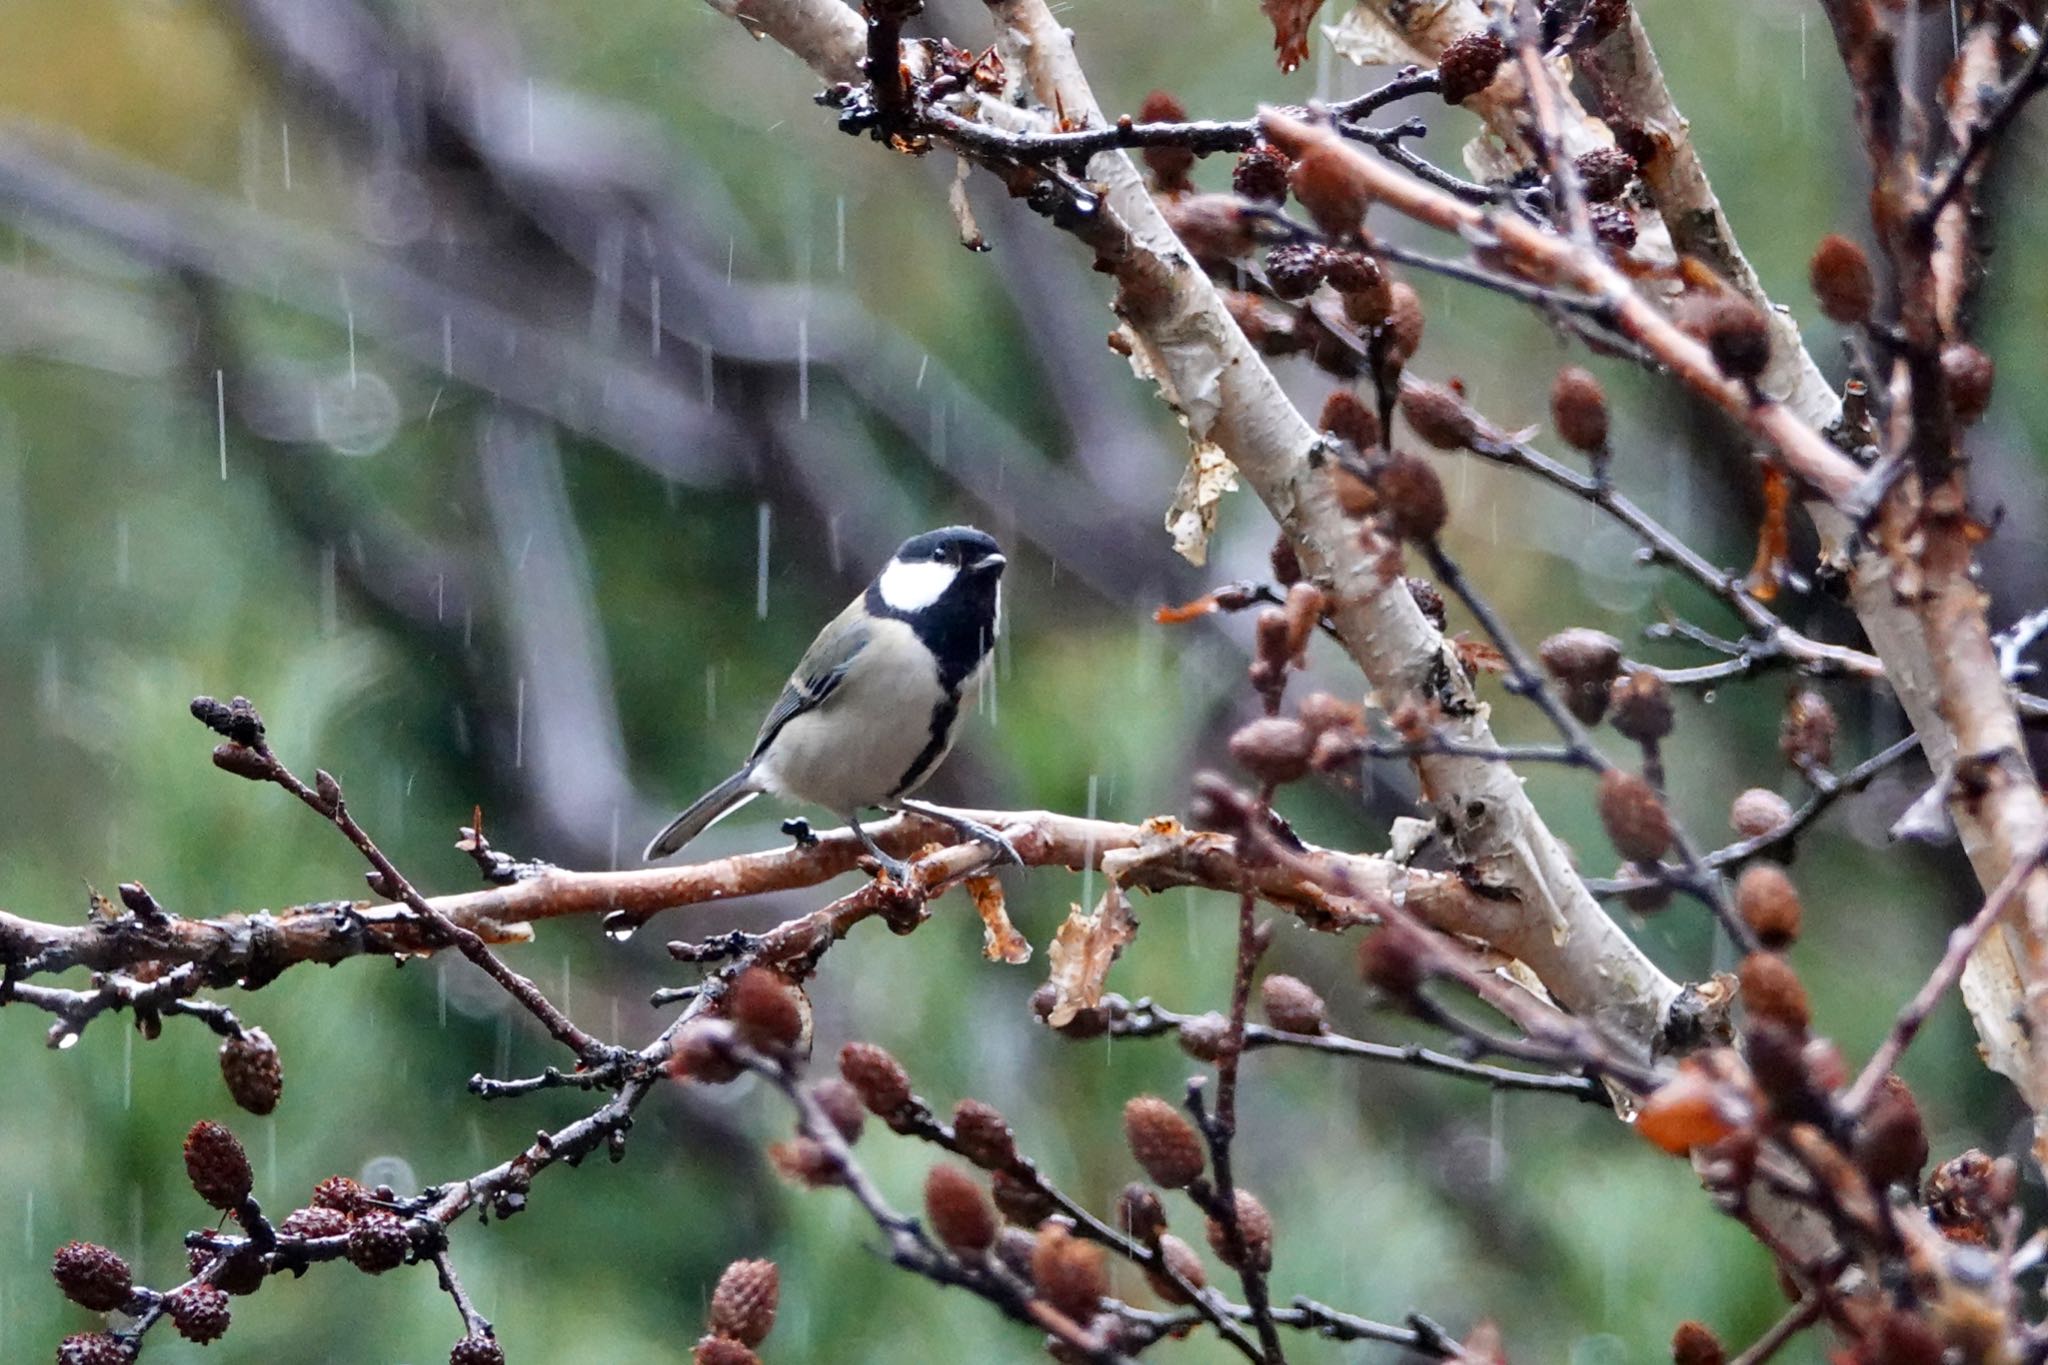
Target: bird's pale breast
{"type": "Point", "coordinates": [822, 759]}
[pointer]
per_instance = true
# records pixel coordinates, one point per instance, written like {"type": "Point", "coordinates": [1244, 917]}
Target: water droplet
{"type": "Point", "coordinates": [394, 1171]}
{"type": "Point", "coordinates": [620, 926]}
{"type": "Point", "coordinates": [67, 1040]}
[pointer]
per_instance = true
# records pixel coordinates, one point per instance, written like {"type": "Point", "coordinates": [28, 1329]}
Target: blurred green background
{"type": "Point", "coordinates": [443, 375]}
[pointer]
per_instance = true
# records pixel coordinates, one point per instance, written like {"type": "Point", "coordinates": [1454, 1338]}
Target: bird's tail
{"type": "Point", "coordinates": [706, 811]}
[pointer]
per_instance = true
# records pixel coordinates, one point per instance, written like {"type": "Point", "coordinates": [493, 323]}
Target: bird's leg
{"type": "Point", "coordinates": [973, 829]}
{"type": "Point", "coordinates": [897, 869]}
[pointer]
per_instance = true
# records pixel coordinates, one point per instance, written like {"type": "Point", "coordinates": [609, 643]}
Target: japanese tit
{"type": "Point", "coordinates": [872, 709]}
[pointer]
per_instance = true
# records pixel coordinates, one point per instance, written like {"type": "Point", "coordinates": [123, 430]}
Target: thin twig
{"type": "Point", "coordinates": [1961, 943]}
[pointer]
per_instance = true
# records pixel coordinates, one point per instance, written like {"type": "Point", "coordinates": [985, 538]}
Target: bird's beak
{"type": "Point", "coordinates": [989, 563]}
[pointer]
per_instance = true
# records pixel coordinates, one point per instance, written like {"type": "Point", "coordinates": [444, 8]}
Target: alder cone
{"type": "Point", "coordinates": [1634, 816]}
{"type": "Point", "coordinates": [1296, 270]}
{"type": "Point", "coordinates": [1260, 175]}
{"type": "Point", "coordinates": [92, 1276]}
{"type": "Point", "coordinates": [959, 1211]}
{"type": "Point", "coordinates": [199, 1312]}
{"type": "Point", "coordinates": [93, 1348]}
{"type": "Point", "coordinates": [217, 1166]}
{"type": "Point", "coordinates": [476, 1350]}
{"type": "Point", "coordinates": [743, 1304]}
{"type": "Point", "coordinates": [341, 1194]}
{"type": "Point", "coordinates": [250, 1067]}
{"type": "Point", "coordinates": [1163, 1141]}
{"type": "Point", "coordinates": [1842, 280]}
{"type": "Point", "coordinates": [377, 1243]}
{"type": "Point", "coordinates": [1468, 65]}
{"type": "Point", "coordinates": [239, 1274]}
{"type": "Point", "coordinates": [1605, 172]}
{"type": "Point", "coordinates": [313, 1223]}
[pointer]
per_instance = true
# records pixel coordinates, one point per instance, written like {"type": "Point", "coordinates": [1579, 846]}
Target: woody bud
{"type": "Point", "coordinates": [877, 1077]}
{"type": "Point", "coordinates": [1255, 1233]}
{"type": "Point", "coordinates": [1757, 812]}
{"type": "Point", "coordinates": [1968, 373]}
{"type": "Point", "coordinates": [1578, 409]}
{"type": "Point", "coordinates": [1642, 709]}
{"type": "Point", "coordinates": [1806, 734]}
{"type": "Point", "coordinates": [958, 1211]}
{"type": "Point", "coordinates": [1163, 1141]}
{"type": "Point", "coordinates": [765, 1009]}
{"type": "Point", "coordinates": [1291, 1005]}
{"type": "Point", "coordinates": [1437, 415]}
{"type": "Point", "coordinates": [982, 1135]}
{"type": "Point", "coordinates": [1842, 280]}
{"type": "Point", "coordinates": [1769, 904]}
{"type": "Point", "coordinates": [1068, 1273]}
{"type": "Point", "coordinates": [1169, 165]}
{"type": "Point", "coordinates": [1411, 497]}
{"type": "Point", "coordinates": [1634, 816]}
{"type": "Point", "coordinates": [1273, 748]}
{"type": "Point", "coordinates": [1772, 990]}
{"type": "Point", "coordinates": [1348, 419]}
{"type": "Point", "coordinates": [1737, 333]}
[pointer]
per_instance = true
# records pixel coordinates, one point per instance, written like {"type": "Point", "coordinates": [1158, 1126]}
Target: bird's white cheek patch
{"type": "Point", "coordinates": [913, 587]}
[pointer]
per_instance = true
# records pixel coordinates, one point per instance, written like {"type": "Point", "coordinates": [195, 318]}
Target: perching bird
{"type": "Point", "coordinates": [873, 707]}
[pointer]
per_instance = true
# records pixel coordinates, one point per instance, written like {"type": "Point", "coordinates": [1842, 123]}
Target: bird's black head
{"type": "Point", "coordinates": [946, 585]}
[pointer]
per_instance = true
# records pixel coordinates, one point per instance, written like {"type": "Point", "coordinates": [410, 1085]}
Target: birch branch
{"type": "Point", "coordinates": [252, 949]}
{"type": "Point", "coordinates": [1629, 87]}
{"type": "Point", "coordinates": [1183, 339]}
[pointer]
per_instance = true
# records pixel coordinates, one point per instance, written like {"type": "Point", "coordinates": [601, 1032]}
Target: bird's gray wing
{"type": "Point", "coordinates": [823, 667]}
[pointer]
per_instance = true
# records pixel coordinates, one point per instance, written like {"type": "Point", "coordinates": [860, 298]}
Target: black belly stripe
{"type": "Point", "coordinates": [943, 716]}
